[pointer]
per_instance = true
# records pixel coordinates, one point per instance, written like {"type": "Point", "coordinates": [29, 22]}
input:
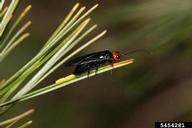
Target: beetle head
{"type": "Point", "coordinates": [116, 56]}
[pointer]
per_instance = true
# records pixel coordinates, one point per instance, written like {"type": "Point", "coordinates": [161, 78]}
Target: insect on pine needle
{"type": "Point", "coordinates": [96, 60]}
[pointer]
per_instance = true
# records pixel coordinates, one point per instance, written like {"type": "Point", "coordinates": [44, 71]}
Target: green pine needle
{"type": "Point", "coordinates": [55, 52]}
{"type": "Point", "coordinates": [67, 81]}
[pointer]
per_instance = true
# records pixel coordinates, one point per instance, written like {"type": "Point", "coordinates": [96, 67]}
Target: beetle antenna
{"type": "Point", "coordinates": [137, 50]}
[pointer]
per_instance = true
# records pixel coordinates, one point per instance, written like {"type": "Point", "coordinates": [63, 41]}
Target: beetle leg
{"type": "Point", "coordinates": [96, 70]}
{"type": "Point", "coordinates": [112, 64]}
{"type": "Point", "coordinates": [88, 73]}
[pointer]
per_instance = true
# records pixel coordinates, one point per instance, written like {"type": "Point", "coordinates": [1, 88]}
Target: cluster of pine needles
{"type": "Point", "coordinates": [56, 51]}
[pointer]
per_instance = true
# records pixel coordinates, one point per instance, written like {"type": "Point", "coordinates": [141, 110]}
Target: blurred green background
{"type": "Point", "coordinates": [157, 87]}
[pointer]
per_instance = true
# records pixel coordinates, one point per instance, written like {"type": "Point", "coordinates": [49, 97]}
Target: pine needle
{"type": "Point", "coordinates": [17, 118]}
{"type": "Point", "coordinates": [67, 81]}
